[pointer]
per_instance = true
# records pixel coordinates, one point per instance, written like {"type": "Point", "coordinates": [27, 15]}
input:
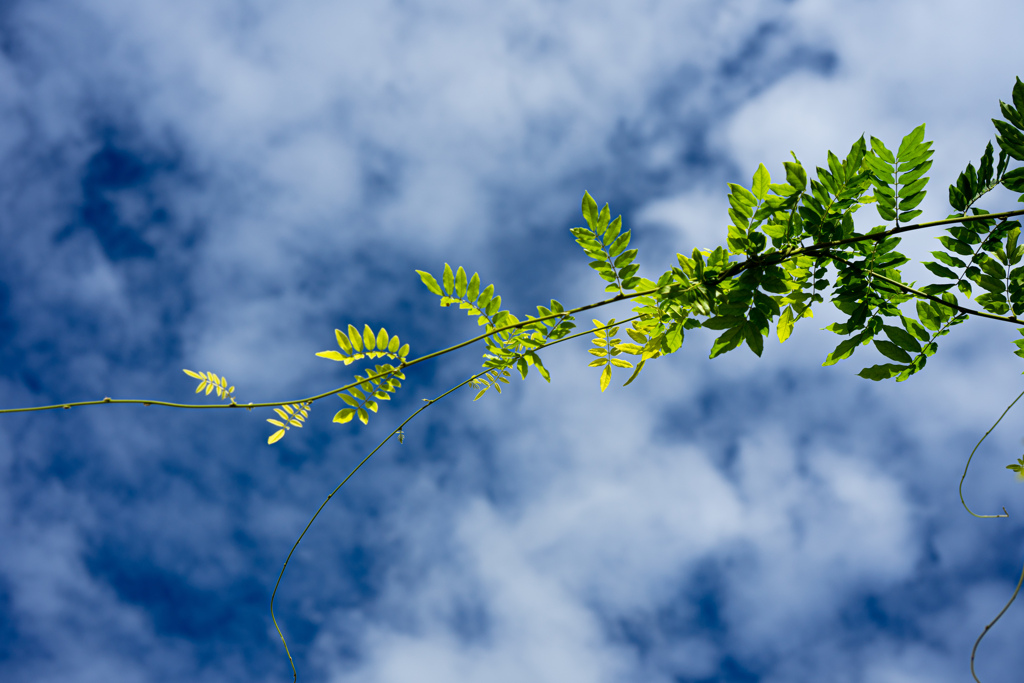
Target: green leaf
{"type": "Point", "coordinates": [369, 339]}
{"type": "Point", "coordinates": [460, 282]}
{"type": "Point", "coordinates": [430, 282]}
{"type": "Point", "coordinates": [950, 261]}
{"type": "Point", "coordinates": [364, 417]}
{"type": "Point", "coordinates": [941, 271]}
{"type": "Point", "coordinates": [332, 355]}
{"type": "Point", "coordinates": [606, 377]}
{"type": "Point", "coordinates": [892, 352]}
{"type": "Point", "coordinates": [795, 174]}
{"type": "Point", "coordinates": [753, 337]}
{"type": "Point", "coordinates": [343, 341]}
{"type": "Point", "coordinates": [448, 278]}
{"type": "Point", "coordinates": [742, 195]}
{"type": "Point", "coordinates": [620, 243]}
{"type": "Point", "coordinates": [902, 339]}
{"type": "Point", "coordinates": [590, 212]}
{"type": "Point", "coordinates": [761, 182]}
{"type": "Point", "coordinates": [722, 322]}
{"type": "Point", "coordinates": [728, 341]}
{"type": "Point", "coordinates": [956, 246]}
{"type": "Point", "coordinates": [344, 415]}
{"type": "Point", "coordinates": [915, 328]}
{"type": "Point", "coordinates": [911, 141]}
{"type": "Point", "coordinates": [914, 175]}
{"type": "Point", "coordinates": [784, 327]}
{"type": "Point", "coordinates": [355, 338]}
{"type": "Point", "coordinates": [879, 372]}
{"type": "Point", "coordinates": [1014, 180]}
{"type": "Point", "coordinates": [880, 150]}
{"type": "Point", "coordinates": [844, 350]}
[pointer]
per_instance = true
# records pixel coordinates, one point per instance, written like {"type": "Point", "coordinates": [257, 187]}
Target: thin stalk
{"type": "Point", "coordinates": [971, 457]}
{"type": "Point", "coordinates": [427, 403]}
{"type": "Point", "coordinates": [992, 623]}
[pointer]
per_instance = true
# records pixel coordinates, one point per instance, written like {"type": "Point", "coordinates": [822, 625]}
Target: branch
{"type": "Point", "coordinates": [918, 293]}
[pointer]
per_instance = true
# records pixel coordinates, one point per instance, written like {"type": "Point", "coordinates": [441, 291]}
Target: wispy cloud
{"type": "Point", "coordinates": [219, 186]}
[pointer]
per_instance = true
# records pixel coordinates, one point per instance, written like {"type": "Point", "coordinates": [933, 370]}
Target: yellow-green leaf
{"type": "Point", "coordinates": [197, 375]}
{"type": "Point", "coordinates": [761, 182]}
{"type": "Point", "coordinates": [382, 339]}
{"type": "Point", "coordinates": [343, 342]}
{"type": "Point", "coordinates": [355, 338]}
{"type": "Point", "coordinates": [460, 282]}
{"type": "Point", "coordinates": [448, 279]}
{"type": "Point", "coordinates": [619, 363]}
{"type": "Point", "coordinates": [332, 355]}
{"type": "Point", "coordinates": [404, 351]}
{"type": "Point", "coordinates": [275, 422]}
{"type": "Point", "coordinates": [606, 377]}
{"type": "Point", "coordinates": [364, 417]}
{"type": "Point", "coordinates": [276, 436]}
{"type": "Point", "coordinates": [344, 415]}
{"type": "Point", "coordinates": [369, 339]}
{"type": "Point", "coordinates": [430, 282]}
{"type": "Point", "coordinates": [393, 344]}
{"type": "Point", "coordinates": [784, 328]}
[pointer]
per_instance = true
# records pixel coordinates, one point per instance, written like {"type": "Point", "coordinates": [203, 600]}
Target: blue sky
{"type": "Point", "coordinates": [217, 186]}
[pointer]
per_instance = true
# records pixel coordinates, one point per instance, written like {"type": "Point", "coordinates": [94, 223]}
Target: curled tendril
{"type": "Point", "coordinates": [978, 445]}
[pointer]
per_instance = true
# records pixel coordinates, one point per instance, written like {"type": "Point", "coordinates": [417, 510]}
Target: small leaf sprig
{"type": "Point", "coordinates": [356, 345]}
{"type": "Point", "coordinates": [606, 351]}
{"type": "Point", "coordinates": [211, 382]}
{"type": "Point", "coordinates": [292, 415]}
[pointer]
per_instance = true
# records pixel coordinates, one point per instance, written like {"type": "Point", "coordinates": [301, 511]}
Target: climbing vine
{"type": "Point", "coordinates": [790, 246]}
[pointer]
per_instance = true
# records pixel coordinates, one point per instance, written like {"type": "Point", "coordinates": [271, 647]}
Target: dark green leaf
{"type": "Point", "coordinates": [877, 373]}
{"type": "Point", "coordinates": [950, 261]}
{"type": "Point", "coordinates": [722, 322]}
{"type": "Point", "coordinates": [941, 271]}
{"type": "Point", "coordinates": [1014, 180]}
{"type": "Point", "coordinates": [902, 339]}
{"type": "Point", "coordinates": [732, 338]}
{"type": "Point", "coordinates": [956, 245]}
{"type": "Point", "coordinates": [892, 351]}
{"type": "Point", "coordinates": [915, 174]}
{"type": "Point", "coordinates": [753, 337]}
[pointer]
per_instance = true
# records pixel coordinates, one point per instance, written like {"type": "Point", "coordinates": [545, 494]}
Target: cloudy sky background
{"type": "Point", "coordinates": [219, 185]}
